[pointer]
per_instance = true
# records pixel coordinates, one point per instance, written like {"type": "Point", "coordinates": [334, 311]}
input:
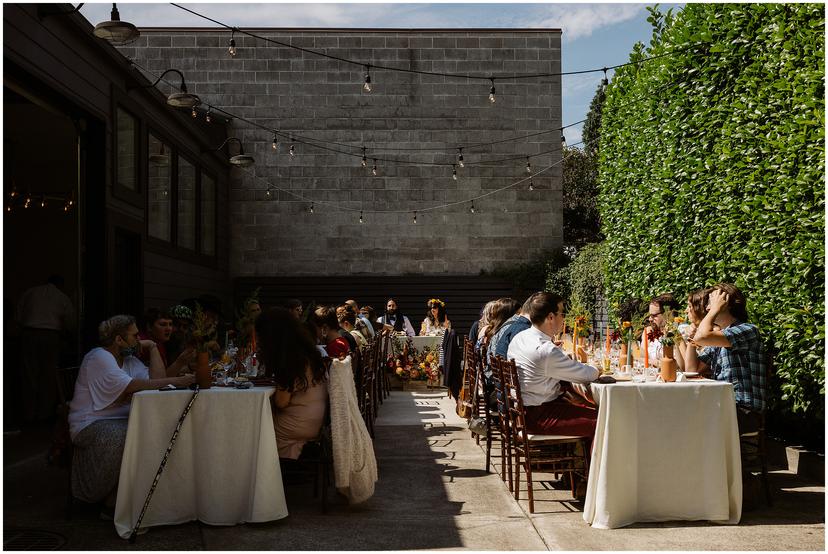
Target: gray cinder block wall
{"type": "Point", "coordinates": [319, 98]}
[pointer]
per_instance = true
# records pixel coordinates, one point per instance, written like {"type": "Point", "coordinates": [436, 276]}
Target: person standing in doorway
{"type": "Point", "coordinates": [43, 312]}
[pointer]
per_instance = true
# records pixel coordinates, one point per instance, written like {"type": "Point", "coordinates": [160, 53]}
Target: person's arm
{"type": "Point", "coordinates": [181, 363]}
{"type": "Point", "coordinates": [281, 398]}
{"type": "Point", "coordinates": [156, 365]}
{"type": "Point", "coordinates": [136, 385]}
{"type": "Point", "coordinates": [679, 352]}
{"type": "Point", "coordinates": [707, 334]}
{"type": "Point", "coordinates": [559, 365]}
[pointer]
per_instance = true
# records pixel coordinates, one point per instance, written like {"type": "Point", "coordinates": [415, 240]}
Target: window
{"type": "Point", "coordinates": [127, 150]}
{"type": "Point", "coordinates": [158, 189]}
{"type": "Point", "coordinates": [186, 204]}
{"type": "Point", "coordinates": [208, 215]}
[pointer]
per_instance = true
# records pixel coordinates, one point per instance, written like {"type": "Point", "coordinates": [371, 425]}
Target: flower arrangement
{"type": "Point", "coordinates": [671, 331]}
{"type": "Point", "coordinates": [204, 331]}
{"type": "Point", "coordinates": [410, 364]}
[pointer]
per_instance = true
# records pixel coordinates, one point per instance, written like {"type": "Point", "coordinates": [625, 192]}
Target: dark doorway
{"type": "Point", "coordinates": [128, 282]}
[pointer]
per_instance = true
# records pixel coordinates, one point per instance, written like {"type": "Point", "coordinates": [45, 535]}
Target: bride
{"type": "Point", "coordinates": [436, 321]}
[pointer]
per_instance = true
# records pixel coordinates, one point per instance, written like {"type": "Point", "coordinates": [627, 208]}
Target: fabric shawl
{"type": "Point", "coordinates": [354, 464]}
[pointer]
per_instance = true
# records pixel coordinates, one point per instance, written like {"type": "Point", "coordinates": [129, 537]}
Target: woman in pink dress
{"type": "Point", "coordinates": [290, 357]}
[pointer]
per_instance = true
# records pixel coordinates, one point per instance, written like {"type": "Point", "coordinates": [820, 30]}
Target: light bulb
{"type": "Point", "coordinates": [492, 93]}
{"type": "Point", "coordinates": [28, 201]}
{"type": "Point", "coordinates": [275, 144]}
{"type": "Point", "coordinates": [360, 217]}
{"type": "Point", "coordinates": [374, 169]}
{"type": "Point", "coordinates": [454, 172]}
{"type": "Point", "coordinates": [208, 117]}
{"type": "Point", "coordinates": [528, 166]}
{"type": "Point", "coordinates": [8, 207]}
{"type": "Point", "coordinates": [472, 208]}
{"type": "Point", "coordinates": [43, 202]}
{"type": "Point", "coordinates": [311, 208]}
{"type": "Point", "coordinates": [563, 141]}
{"type": "Point", "coordinates": [367, 85]}
{"type": "Point", "coordinates": [269, 193]}
{"type": "Point", "coordinates": [232, 49]}
{"type": "Point", "coordinates": [460, 157]}
{"type": "Point", "coordinates": [415, 217]}
{"type": "Point", "coordinates": [66, 208]}
{"type": "Point", "coordinates": [292, 151]}
{"type": "Point", "coordinates": [604, 81]}
{"type": "Point", "coordinates": [531, 185]}
{"type": "Point", "coordinates": [364, 158]}
{"type": "Point", "coordinates": [13, 193]}
{"type": "Point", "coordinates": [194, 112]}
{"type": "Point", "coordinates": [165, 192]}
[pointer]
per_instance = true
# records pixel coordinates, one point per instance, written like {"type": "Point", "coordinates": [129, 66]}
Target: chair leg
{"type": "Point", "coordinates": [517, 476]}
{"type": "Point", "coordinates": [528, 468]}
{"type": "Point", "coordinates": [509, 461]}
{"type": "Point", "coordinates": [764, 459]}
{"type": "Point", "coordinates": [488, 443]}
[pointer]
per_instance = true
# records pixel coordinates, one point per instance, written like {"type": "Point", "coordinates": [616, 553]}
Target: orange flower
{"type": "Point", "coordinates": [678, 320]}
{"type": "Point", "coordinates": [626, 325]}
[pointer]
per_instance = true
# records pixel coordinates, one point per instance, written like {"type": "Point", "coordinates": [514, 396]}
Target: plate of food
{"type": "Point", "coordinates": [622, 376]}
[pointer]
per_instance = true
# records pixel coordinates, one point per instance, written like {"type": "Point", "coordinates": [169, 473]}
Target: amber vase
{"type": "Point", "coordinates": [668, 365]}
{"type": "Point", "coordinates": [204, 377]}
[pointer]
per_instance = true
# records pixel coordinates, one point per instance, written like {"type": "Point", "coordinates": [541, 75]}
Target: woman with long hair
{"type": "Point", "coordinates": [435, 321]}
{"type": "Point", "coordinates": [290, 357]}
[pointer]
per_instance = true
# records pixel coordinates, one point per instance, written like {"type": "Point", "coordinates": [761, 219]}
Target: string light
{"type": "Point", "coordinates": [269, 192]}
{"type": "Point", "coordinates": [367, 85]}
{"type": "Point", "coordinates": [364, 158]}
{"type": "Point", "coordinates": [28, 201]}
{"type": "Point", "coordinates": [460, 157]}
{"type": "Point", "coordinates": [232, 49]}
{"type": "Point", "coordinates": [13, 193]}
{"type": "Point", "coordinates": [454, 172]}
{"type": "Point", "coordinates": [194, 113]}
{"type": "Point", "coordinates": [492, 92]}
{"type": "Point", "coordinates": [360, 216]}
{"type": "Point", "coordinates": [563, 141]}
{"type": "Point", "coordinates": [311, 208]}
{"type": "Point", "coordinates": [207, 116]}
{"type": "Point", "coordinates": [8, 207]}
{"type": "Point", "coordinates": [374, 169]}
{"type": "Point", "coordinates": [415, 216]}
{"type": "Point", "coordinates": [604, 82]}
{"type": "Point", "coordinates": [531, 185]}
{"type": "Point", "coordinates": [275, 144]}
{"type": "Point", "coordinates": [292, 151]}
{"type": "Point", "coordinates": [43, 201]}
{"type": "Point", "coordinates": [528, 165]}
{"type": "Point", "coordinates": [472, 208]}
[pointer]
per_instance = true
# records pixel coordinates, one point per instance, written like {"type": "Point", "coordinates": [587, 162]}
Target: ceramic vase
{"type": "Point", "coordinates": [668, 365]}
{"type": "Point", "coordinates": [204, 377]}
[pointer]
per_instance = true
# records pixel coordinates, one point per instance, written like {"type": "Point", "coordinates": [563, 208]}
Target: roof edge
{"type": "Point", "coordinates": [349, 30]}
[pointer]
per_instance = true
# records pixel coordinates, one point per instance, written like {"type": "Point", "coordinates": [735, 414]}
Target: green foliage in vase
{"type": "Point", "coordinates": [711, 168]}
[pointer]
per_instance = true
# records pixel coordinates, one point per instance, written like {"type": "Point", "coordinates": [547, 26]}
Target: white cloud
{"type": "Point", "coordinates": [582, 20]}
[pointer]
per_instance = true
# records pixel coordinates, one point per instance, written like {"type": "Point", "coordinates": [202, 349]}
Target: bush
{"type": "Point", "coordinates": [711, 168]}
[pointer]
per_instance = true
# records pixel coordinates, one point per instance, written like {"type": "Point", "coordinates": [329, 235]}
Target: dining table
{"type": "Point", "coordinates": [222, 470]}
{"type": "Point", "coordinates": [664, 452]}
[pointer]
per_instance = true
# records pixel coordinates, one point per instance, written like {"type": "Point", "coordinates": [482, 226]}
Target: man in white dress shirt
{"type": "Point", "coordinates": [542, 366]}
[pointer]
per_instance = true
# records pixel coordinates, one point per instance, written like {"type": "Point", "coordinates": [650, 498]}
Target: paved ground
{"type": "Point", "coordinates": [432, 494]}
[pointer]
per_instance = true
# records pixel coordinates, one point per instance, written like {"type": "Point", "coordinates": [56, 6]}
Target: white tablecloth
{"type": "Point", "coordinates": [664, 452]}
{"type": "Point", "coordinates": [223, 469]}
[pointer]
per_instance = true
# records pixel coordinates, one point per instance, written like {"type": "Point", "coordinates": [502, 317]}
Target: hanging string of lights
{"type": "Point", "coordinates": [489, 77]}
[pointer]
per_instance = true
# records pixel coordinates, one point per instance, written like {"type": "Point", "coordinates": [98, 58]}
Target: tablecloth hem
{"type": "Point", "coordinates": [125, 535]}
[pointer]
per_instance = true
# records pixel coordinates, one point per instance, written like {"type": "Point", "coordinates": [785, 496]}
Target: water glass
{"type": "Point", "coordinates": [638, 371]}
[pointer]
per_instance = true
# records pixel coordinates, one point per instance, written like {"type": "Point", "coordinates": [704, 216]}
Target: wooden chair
{"type": "Point", "coordinates": [554, 453]}
{"type": "Point", "coordinates": [316, 460]}
{"type": "Point", "coordinates": [61, 451]}
{"type": "Point", "coordinates": [503, 421]}
{"type": "Point", "coordinates": [753, 441]}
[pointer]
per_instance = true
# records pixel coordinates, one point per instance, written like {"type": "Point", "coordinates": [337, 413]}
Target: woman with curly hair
{"type": "Point", "coordinates": [436, 321]}
{"type": "Point", "coordinates": [290, 357]}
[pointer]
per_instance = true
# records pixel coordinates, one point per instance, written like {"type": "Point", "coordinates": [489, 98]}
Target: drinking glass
{"type": "Point", "coordinates": [638, 371]}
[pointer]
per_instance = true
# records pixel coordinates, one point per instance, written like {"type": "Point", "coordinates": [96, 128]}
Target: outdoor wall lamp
{"type": "Point", "coordinates": [181, 99]}
{"type": "Point", "coordinates": [241, 159]}
{"type": "Point", "coordinates": [115, 31]}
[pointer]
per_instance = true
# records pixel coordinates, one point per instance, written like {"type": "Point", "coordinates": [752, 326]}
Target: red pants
{"type": "Point", "coordinates": [560, 417]}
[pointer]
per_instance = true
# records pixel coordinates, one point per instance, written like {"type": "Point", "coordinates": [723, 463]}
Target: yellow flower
{"type": "Point", "coordinates": [678, 320]}
{"type": "Point", "coordinates": [626, 325]}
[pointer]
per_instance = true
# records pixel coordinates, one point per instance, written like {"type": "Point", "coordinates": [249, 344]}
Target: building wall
{"type": "Point", "coordinates": [314, 97]}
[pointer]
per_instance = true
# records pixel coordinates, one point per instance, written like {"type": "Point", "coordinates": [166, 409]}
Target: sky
{"type": "Point", "coordinates": [594, 35]}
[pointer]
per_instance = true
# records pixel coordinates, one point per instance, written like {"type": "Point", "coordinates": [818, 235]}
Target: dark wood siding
{"type": "Point", "coordinates": [464, 295]}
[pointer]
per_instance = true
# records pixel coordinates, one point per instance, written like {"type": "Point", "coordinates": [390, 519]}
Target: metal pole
{"type": "Point", "coordinates": [162, 465]}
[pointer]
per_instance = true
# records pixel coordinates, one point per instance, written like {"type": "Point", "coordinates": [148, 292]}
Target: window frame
{"type": "Point", "coordinates": [133, 197]}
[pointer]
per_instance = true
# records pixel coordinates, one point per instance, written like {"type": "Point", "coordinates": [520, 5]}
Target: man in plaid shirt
{"type": "Point", "coordinates": [733, 352]}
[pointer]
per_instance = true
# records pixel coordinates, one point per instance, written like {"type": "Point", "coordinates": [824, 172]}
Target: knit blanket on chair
{"type": "Point", "coordinates": [354, 464]}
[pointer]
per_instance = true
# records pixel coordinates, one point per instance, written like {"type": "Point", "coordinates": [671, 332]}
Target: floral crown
{"type": "Point", "coordinates": [181, 312]}
{"type": "Point", "coordinates": [436, 301]}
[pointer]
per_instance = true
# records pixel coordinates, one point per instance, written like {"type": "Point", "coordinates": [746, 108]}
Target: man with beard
{"type": "Point", "coordinates": [395, 320]}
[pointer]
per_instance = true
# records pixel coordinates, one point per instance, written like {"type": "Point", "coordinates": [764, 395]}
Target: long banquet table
{"type": "Point", "coordinates": [664, 452]}
{"type": "Point", "coordinates": [223, 469]}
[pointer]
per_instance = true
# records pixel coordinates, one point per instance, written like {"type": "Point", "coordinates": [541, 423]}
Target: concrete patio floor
{"type": "Point", "coordinates": [432, 494]}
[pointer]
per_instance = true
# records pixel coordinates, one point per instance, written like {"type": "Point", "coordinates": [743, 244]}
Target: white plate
{"type": "Point", "coordinates": [690, 374]}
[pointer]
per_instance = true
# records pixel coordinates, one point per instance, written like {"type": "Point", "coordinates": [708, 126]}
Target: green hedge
{"type": "Point", "coordinates": [711, 168]}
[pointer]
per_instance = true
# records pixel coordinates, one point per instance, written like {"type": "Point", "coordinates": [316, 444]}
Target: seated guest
{"type": "Point", "coordinates": [369, 328]}
{"type": "Point", "coordinates": [435, 322]}
{"type": "Point", "coordinates": [658, 311]}
{"type": "Point", "coordinates": [294, 306]}
{"type": "Point", "coordinates": [158, 327]}
{"type": "Point", "coordinates": [733, 352]}
{"type": "Point", "coordinates": [501, 310]}
{"type": "Point", "coordinates": [181, 336]}
{"type": "Point", "coordinates": [396, 321]}
{"type": "Point", "coordinates": [327, 332]}
{"type": "Point", "coordinates": [290, 357]}
{"type": "Point", "coordinates": [367, 313]}
{"type": "Point", "coordinates": [99, 410]}
{"type": "Point", "coordinates": [695, 311]}
{"type": "Point", "coordinates": [347, 322]}
{"type": "Point", "coordinates": [542, 366]}
{"type": "Point", "coordinates": [499, 344]}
